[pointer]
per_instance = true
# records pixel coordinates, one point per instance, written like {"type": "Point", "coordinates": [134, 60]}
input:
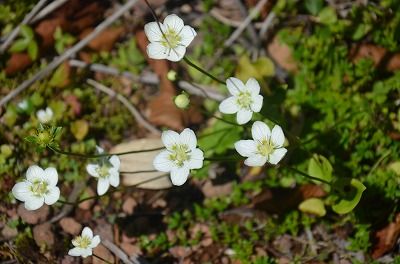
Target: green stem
{"type": "Point", "coordinates": [102, 259]}
{"type": "Point", "coordinates": [219, 118]}
{"type": "Point", "coordinates": [94, 156]}
{"type": "Point", "coordinates": [191, 64]}
{"type": "Point", "coordinates": [232, 158]}
{"type": "Point", "coordinates": [309, 176]}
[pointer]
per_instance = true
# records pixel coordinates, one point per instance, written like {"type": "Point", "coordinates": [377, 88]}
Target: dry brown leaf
{"type": "Point", "coordinates": [17, 62]}
{"type": "Point", "coordinates": [282, 55]}
{"type": "Point", "coordinates": [102, 252]}
{"type": "Point", "coordinates": [141, 161]}
{"type": "Point", "coordinates": [129, 205]}
{"type": "Point", "coordinates": [386, 238]}
{"type": "Point", "coordinates": [33, 217]}
{"type": "Point", "coordinates": [211, 190]}
{"type": "Point", "coordinates": [70, 226]}
{"type": "Point", "coordinates": [379, 55]}
{"type": "Point", "coordinates": [43, 234]}
{"type": "Point", "coordinates": [105, 40]}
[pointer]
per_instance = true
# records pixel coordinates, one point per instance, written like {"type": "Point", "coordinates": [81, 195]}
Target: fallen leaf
{"type": "Point", "coordinates": [17, 62]}
{"type": "Point", "coordinates": [379, 55]}
{"type": "Point", "coordinates": [73, 102]}
{"type": "Point", "coordinates": [282, 55]}
{"type": "Point", "coordinates": [211, 190]}
{"type": "Point", "coordinates": [33, 217]}
{"type": "Point", "coordinates": [105, 40]}
{"type": "Point", "coordinates": [8, 232]}
{"type": "Point", "coordinates": [104, 230]}
{"type": "Point", "coordinates": [86, 205]}
{"type": "Point", "coordinates": [129, 205]}
{"type": "Point", "coordinates": [43, 234]}
{"type": "Point", "coordinates": [130, 249]}
{"type": "Point", "coordinates": [70, 226]}
{"type": "Point", "coordinates": [141, 161]}
{"type": "Point", "coordinates": [102, 252]}
{"type": "Point", "coordinates": [386, 238]}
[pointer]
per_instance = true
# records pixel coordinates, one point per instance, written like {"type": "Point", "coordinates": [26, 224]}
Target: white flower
{"type": "Point", "coordinates": [84, 243]}
{"type": "Point", "coordinates": [23, 105]}
{"type": "Point", "coordinates": [38, 188]}
{"type": "Point", "coordinates": [180, 156]}
{"type": "Point", "coordinates": [107, 172]}
{"type": "Point", "coordinates": [44, 116]}
{"type": "Point", "coordinates": [244, 101]}
{"type": "Point", "coordinates": [265, 146]}
{"type": "Point", "coordinates": [170, 43]}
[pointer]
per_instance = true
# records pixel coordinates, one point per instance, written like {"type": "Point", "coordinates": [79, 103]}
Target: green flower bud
{"type": "Point", "coordinates": [182, 101]}
{"type": "Point", "coordinates": [171, 75]}
{"type": "Point", "coordinates": [6, 150]}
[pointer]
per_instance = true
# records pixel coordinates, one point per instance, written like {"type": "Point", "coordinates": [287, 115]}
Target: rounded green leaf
{"type": "Point", "coordinates": [351, 196]}
{"type": "Point", "coordinates": [20, 45]}
{"type": "Point", "coordinates": [320, 167]}
{"type": "Point", "coordinates": [313, 206]}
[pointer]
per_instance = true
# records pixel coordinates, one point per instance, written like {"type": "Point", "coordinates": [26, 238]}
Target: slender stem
{"type": "Point", "coordinates": [102, 259]}
{"type": "Point", "coordinates": [309, 176]}
{"type": "Point", "coordinates": [232, 158]}
{"type": "Point", "coordinates": [135, 172]}
{"type": "Point", "coordinates": [65, 202]}
{"type": "Point", "coordinates": [191, 64]}
{"type": "Point", "coordinates": [219, 118]}
{"type": "Point", "coordinates": [94, 156]}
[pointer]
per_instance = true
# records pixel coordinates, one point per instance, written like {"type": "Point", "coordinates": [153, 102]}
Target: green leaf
{"type": "Point", "coordinates": [60, 76]}
{"type": "Point", "coordinates": [313, 6]}
{"type": "Point", "coordinates": [351, 198]}
{"type": "Point", "coordinates": [327, 16]}
{"type": "Point", "coordinates": [395, 167]}
{"type": "Point", "coordinates": [263, 67]}
{"type": "Point", "coordinates": [26, 32]}
{"type": "Point", "coordinates": [33, 50]}
{"type": "Point", "coordinates": [31, 139]}
{"type": "Point", "coordinates": [79, 129]}
{"type": "Point", "coordinates": [20, 45]}
{"type": "Point", "coordinates": [361, 31]}
{"type": "Point", "coordinates": [320, 167]}
{"type": "Point", "coordinates": [313, 206]}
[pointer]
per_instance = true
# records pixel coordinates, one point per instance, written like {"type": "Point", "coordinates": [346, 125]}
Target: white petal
{"type": "Point", "coordinates": [49, 112]}
{"type": "Point", "coordinates": [114, 177]}
{"type": "Point", "coordinates": [42, 116]}
{"type": "Point", "coordinates": [253, 86]}
{"type": "Point", "coordinates": [21, 191]}
{"type": "Point", "coordinates": [255, 160]}
{"type": "Point", "coordinates": [188, 137]}
{"type": "Point", "coordinates": [170, 138]}
{"type": "Point", "coordinates": [157, 51]}
{"type": "Point", "coordinates": [102, 186]}
{"type": "Point", "coordinates": [86, 252]}
{"type": "Point", "coordinates": [243, 116]}
{"type": "Point", "coordinates": [99, 149]}
{"type": "Point", "coordinates": [246, 148]}
{"type": "Point", "coordinates": [229, 106]}
{"type": "Point", "coordinates": [34, 202]}
{"type": "Point", "coordinates": [162, 162]}
{"type": "Point", "coordinates": [115, 161]}
{"type": "Point", "coordinates": [92, 169]}
{"type": "Point", "coordinates": [177, 53]}
{"type": "Point", "coordinates": [52, 196]}
{"type": "Point", "coordinates": [196, 159]}
{"type": "Point", "coordinates": [235, 85]}
{"type": "Point", "coordinates": [34, 172]}
{"type": "Point", "coordinates": [173, 22]}
{"type": "Point", "coordinates": [277, 155]}
{"type": "Point", "coordinates": [179, 176]}
{"type": "Point", "coordinates": [152, 31]}
{"type": "Point", "coordinates": [87, 232]}
{"type": "Point", "coordinates": [75, 252]}
{"type": "Point", "coordinates": [187, 35]}
{"type": "Point", "coordinates": [51, 176]}
{"type": "Point", "coordinates": [95, 241]}
{"type": "Point", "coordinates": [257, 103]}
{"type": "Point", "coordinates": [277, 136]}
{"type": "Point", "coordinates": [260, 131]}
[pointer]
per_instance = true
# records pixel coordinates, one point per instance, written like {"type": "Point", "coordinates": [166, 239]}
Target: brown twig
{"type": "Point", "coordinates": [134, 259]}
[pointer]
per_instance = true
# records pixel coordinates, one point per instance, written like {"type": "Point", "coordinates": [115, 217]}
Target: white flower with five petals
{"type": "Point", "coordinates": [245, 99]}
{"type": "Point", "coordinates": [107, 172]}
{"type": "Point", "coordinates": [45, 116]}
{"type": "Point", "coordinates": [38, 188]}
{"type": "Point", "coordinates": [171, 41]}
{"type": "Point", "coordinates": [180, 156]}
{"type": "Point", "coordinates": [84, 244]}
{"type": "Point", "coordinates": [265, 146]}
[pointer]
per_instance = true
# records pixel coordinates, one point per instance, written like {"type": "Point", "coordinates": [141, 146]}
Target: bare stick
{"type": "Point", "coordinates": [266, 24]}
{"type": "Point", "coordinates": [136, 114]}
{"type": "Point", "coordinates": [201, 91]}
{"type": "Point", "coordinates": [68, 53]}
{"type": "Point", "coordinates": [25, 21]}
{"type": "Point", "coordinates": [48, 9]}
{"type": "Point", "coordinates": [120, 254]}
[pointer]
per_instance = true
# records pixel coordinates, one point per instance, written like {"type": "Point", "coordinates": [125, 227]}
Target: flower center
{"type": "Point", "coordinates": [179, 154]}
{"type": "Point", "coordinates": [39, 188]}
{"type": "Point", "coordinates": [82, 241]}
{"type": "Point", "coordinates": [171, 39]}
{"type": "Point", "coordinates": [103, 171]}
{"type": "Point", "coordinates": [265, 147]}
{"type": "Point", "coordinates": [244, 99]}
